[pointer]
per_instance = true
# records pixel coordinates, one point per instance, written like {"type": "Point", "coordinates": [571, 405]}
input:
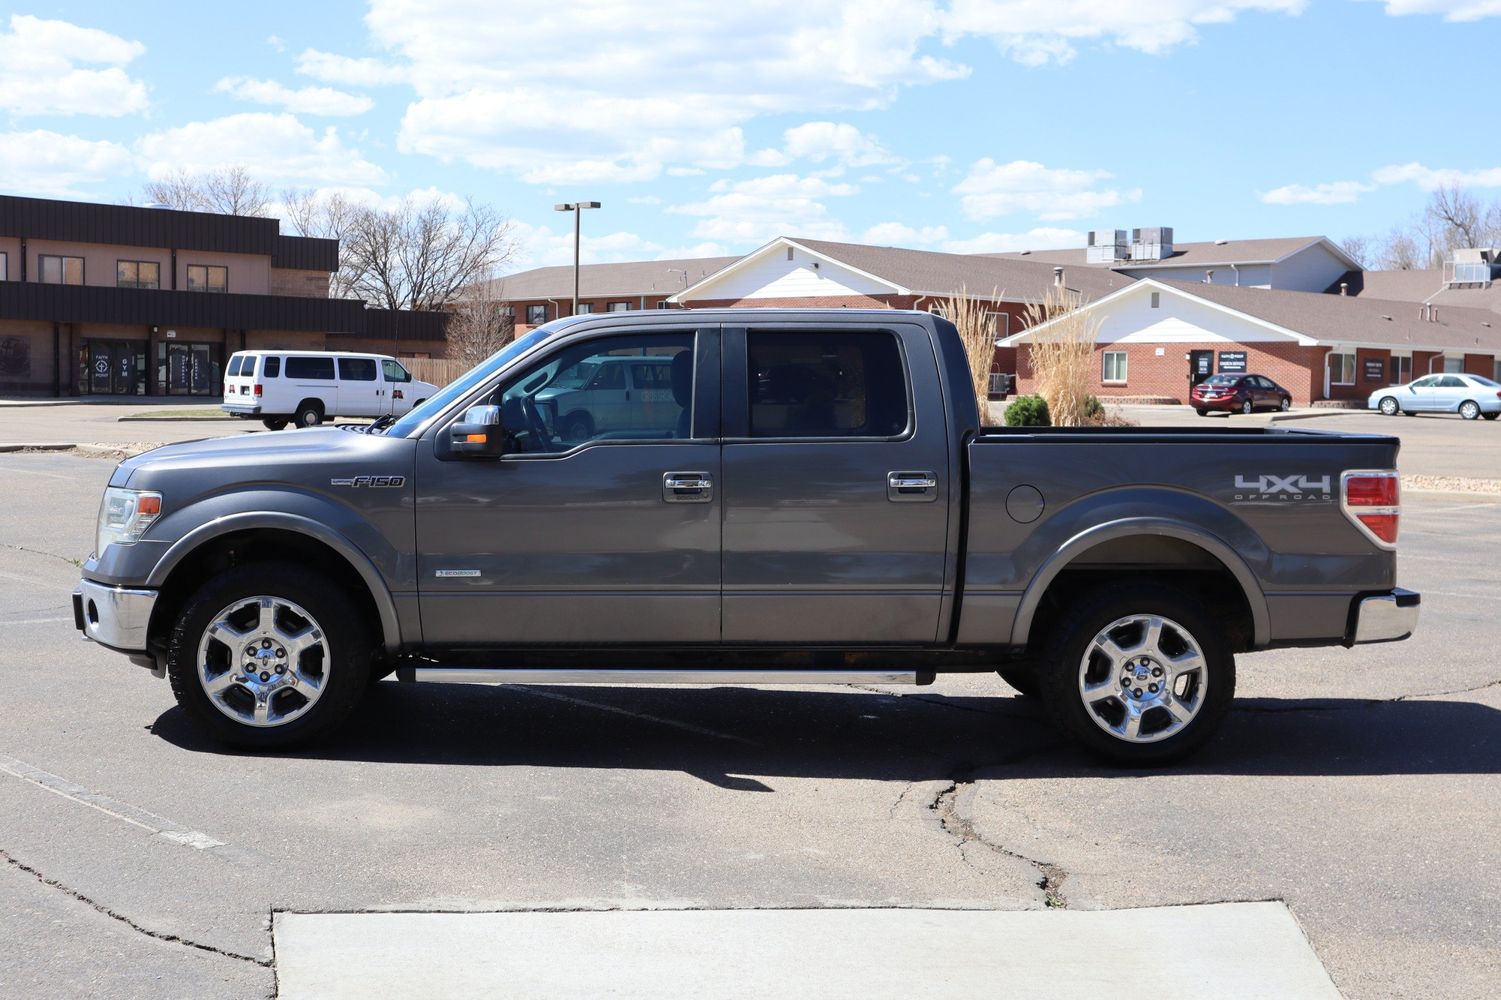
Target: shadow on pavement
{"type": "Point", "coordinates": [727, 736]}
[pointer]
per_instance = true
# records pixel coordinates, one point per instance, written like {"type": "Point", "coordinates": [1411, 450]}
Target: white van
{"type": "Point", "coordinates": [309, 387]}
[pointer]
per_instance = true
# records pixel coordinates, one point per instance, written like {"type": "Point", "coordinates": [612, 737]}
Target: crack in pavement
{"type": "Point", "coordinates": [1356, 704]}
{"type": "Point", "coordinates": [148, 932]}
{"type": "Point", "coordinates": [75, 563]}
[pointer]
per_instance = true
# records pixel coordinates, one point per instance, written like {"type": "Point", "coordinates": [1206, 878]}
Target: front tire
{"type": "Point", "coordinates": [1123, 639]}
{"type": "Point", "coordinates": [1286, 404]}
{"type": "Point", "coordinates": [1469, 409]}
{"type": "Point", "coordinates": [1491, 416]}
{"type": "Point", "coordinates": [1389, 406]}
{"type": "Point", "coordinates": [274, 423]}
{"type": "Point", "coordinates": [268, 655]}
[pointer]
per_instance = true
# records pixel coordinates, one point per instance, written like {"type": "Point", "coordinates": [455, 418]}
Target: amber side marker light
{"type": "Point", "coordinates": [476, 438]}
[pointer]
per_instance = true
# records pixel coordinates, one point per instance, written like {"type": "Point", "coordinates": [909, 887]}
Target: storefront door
{"type": "Point", "coordinates": [112, 367]}
{"type": "Point", "coordinates": [191, 370]}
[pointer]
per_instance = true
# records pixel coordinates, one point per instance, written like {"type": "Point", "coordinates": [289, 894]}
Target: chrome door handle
{"type": "Point", "coordinates": [687, 487]}
{"type": "Point", "coordinates": [911, 487]}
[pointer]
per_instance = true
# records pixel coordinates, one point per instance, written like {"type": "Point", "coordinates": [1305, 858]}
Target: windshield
{"type": "Point", "coordinates": [464, 383]}
{"type": "Point", "coordinates": [1222, 380]}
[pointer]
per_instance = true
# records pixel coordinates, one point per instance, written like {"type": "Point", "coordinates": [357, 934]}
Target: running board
{"type": "Point", "coordinates": [530, 675]}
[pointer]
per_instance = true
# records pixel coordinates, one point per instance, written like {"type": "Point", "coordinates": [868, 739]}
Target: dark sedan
{"type": "Point", "coordinates": [1239, 394]}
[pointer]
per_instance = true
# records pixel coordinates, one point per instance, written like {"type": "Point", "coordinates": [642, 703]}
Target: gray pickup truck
{"type": "Point", "coordinates": [813, 500]}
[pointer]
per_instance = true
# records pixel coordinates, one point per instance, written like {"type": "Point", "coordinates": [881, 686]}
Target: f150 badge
{"type": "Point", "coordinates": [1268, 488]}
{"type": "Point", "coordinates": [374, 481]}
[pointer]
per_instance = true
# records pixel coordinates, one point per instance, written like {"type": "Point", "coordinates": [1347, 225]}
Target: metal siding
{"type": "Point", "coordinates": [102, 304]}
{"type": "Point", "coordinates": [305, 253]}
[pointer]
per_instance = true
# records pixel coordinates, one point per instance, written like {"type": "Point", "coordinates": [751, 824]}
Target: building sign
{"type": "Point", "coordinates": [1233, 361]}
{"type": "Point", "coordinates": [1375, 370]}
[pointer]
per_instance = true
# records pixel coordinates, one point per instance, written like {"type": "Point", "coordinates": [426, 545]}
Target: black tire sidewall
{"type": "Point", "coordinates": [1058, 673]}
{"type": "Point", "coordinates": [274, 423]}
{"type": "Point", "coordinates": [349, 640]}
{"type": "Point", "coordinates": [1022, 676]}
{"type": "Point", "coordinates": [309, 416]}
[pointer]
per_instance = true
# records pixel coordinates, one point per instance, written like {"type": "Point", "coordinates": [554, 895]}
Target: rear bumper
{"type": "Point", "coordinates": [241, 409]}
{"type": "Point", "coordinates": [1386, 617]}
{"type": "Point", "coordinates": [116, 617]}
{"type": "Point", "coordinates": [1229, 403]}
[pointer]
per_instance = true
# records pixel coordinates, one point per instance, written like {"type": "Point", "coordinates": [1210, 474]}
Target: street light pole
{"type": "Point", "coordinates": [576, 207]}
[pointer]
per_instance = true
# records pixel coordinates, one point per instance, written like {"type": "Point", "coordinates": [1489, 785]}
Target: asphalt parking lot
{"type": "Point", "coordinates": [1360, 786]}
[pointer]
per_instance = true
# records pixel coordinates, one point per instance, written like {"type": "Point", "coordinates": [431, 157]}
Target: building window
{"type": "Point", "coordinates": [507, 311]}
{"type": "Point", "coordinates": [1401, 370]}
{"type": "Point", "coordinates": [60, 270]}
{"type": "Point", "coordinates": [138, 274]}
{"type": "Point", "coordinates": [664, 304]}
{"type": "Point", "coordinates": [4, 266]}
{"type": "Point", "coordinates": [1454, 364]}
{"type": "Point", "coordinates": [1497, 375]}
{"type": "Point", "coordinates": [536, 315]}
{"type": "Point", "coordinates": [585, 307]}
{"type": "Point", "coordinates": [619, 307]}
{"type": "Point", "coordinates": [998, 323]}
{"type": "Point", "coordinates": [1115, 366]}
{"type": "Point", "coordinates": [207, 278]}
{"type": "Point", "coordinates": [1342, 368]}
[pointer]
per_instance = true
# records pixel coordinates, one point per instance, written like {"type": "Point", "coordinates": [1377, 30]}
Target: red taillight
{"type": "Point", "coordinates": [258, 390]}
{"type": "Point", "coordinates": [1373, 501]}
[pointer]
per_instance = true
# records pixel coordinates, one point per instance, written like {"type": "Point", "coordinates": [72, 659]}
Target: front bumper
{"type": "Point", "coordinates": [1387, 617]}
{"type": "Point", "coordinates": [116, 617]}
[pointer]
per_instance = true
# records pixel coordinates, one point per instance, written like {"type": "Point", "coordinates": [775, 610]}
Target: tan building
{"type": "Point", "coordinates": [119, 300]}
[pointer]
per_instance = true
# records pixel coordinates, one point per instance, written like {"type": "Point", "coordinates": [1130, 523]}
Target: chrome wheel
{"type": "Point", "coordinates": [263, 661]}
{"type": "Point", "coordinates": [1389, 406]}
{"type": "Point", "coordinates": [1469, 410]}
{"type": "Point", "coordinates": [1247, 408]}
{"type": "Point", "coordinates": [1143, 678]}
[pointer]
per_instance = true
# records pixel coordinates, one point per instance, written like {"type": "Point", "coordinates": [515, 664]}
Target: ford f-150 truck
{"type": "Point", "coordinates": [813, 500]}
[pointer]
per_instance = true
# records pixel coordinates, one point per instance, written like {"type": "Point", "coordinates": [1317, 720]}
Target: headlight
{"type": "Point", "coordinates": [124, 515]}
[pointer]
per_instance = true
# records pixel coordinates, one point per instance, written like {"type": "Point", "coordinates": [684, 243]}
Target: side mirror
{"type": "Point", "coordinates": [479, 434]}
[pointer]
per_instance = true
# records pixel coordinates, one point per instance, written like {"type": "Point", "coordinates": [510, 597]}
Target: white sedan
{"type": "Point", "coordinates": [1470, 396]}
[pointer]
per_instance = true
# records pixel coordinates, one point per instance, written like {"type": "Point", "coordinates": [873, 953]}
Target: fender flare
{"type": "Point", "coordinates": [1134, 526]}
{"type": "Point", "coordinates": [180, 549]}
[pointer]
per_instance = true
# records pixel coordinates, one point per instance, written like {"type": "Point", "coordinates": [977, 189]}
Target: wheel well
{"type": "Point", "coordinates": [253, 545]}
{"type": "Point", "coordinates": [1144, 558]}
{"type": "Point", "coordinates": [316, 402]}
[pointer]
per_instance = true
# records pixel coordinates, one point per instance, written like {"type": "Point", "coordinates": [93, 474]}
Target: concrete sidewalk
{"type": "Point", "coordinates": [1229, 951]}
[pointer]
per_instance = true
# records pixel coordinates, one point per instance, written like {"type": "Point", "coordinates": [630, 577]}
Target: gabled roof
{"type": "Point", "coordinates": [1333, 320]}
{"type": "Point", "coordinates": [598, 281]}
{"type": "Point", "coordinates": [1418, 286]}
{"type": "Point", "coordinates": [930, 273]}
{"type": "Point", "coordinates": [1214, 254]}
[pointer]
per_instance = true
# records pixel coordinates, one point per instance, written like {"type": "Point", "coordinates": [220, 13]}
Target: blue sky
{"type": "Point", "coordinates": [707, 127]}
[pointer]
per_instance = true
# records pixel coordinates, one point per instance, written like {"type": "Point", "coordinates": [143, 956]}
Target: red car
{"type": "Point", "coordinates": [1239, 394]}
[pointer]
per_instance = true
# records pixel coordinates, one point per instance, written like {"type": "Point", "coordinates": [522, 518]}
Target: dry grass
{"type": "Point", "coordinates": [1062, 356]}
{"type": "Point", "coordinates": [976, 325]}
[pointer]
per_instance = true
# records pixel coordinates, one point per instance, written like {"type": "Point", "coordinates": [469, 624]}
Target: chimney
{"type": "Point", "coordinates": [1433, 314]}
{"type": "Point", "coordinates": [1057, 277]}
{"type": "Point", "coordinates": [1423, 312]}
{"type": "Point", "coordinates": [1344, 288]}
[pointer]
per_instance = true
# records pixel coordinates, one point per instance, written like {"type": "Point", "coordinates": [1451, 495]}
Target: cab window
{"type": "Point", "coordinates": [545, 411]}
{"type": "Point", "coordinates": [812, 385]}
{"type": "Point", "coordinates": [394, 372]}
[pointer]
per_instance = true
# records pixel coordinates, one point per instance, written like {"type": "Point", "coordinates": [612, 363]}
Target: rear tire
{"type": "Point", "coordinates": [1108, 636]}
{"type": "Point", "coordinates": [1286, 404]}
{"type": "Point", "coordinates": [239, 636]}
{"type": "Point", "coordinates": [1389, 407]}
{"type": "Point", "coordinates": [309, 413]}
{"type": "Point", "coordinates": [274, 423]}
{"type": "Point", "coordinates": [1202, 413]}
{"type": "Point", "coordinates": [1469, 409]}
{"type": "Point", "coordinates": [1247, 408]}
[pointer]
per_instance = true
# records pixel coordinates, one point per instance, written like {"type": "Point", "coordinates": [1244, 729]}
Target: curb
{"type": "Point", "coordinates": [172, 420]}
{"type": "Point", "coordinates": [1331, 411]}
{"type": "Point", "coordinates": [84, 449]}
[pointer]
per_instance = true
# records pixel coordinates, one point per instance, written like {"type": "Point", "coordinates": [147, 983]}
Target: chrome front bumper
{"type": "Point", "coordinates": [1387, 617]}
{"type": "Point", "coordinates": [113, 616]}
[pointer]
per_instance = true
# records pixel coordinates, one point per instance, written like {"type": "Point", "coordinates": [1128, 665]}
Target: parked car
{"type": "Point", "coordinates": [819, 504]}
{"type": "Point", "coordinates": [309, 387]}
{"type": "Point", "coordinates": [1231, 393]}
{"type": "Point", "coordinates": [1468, 395]}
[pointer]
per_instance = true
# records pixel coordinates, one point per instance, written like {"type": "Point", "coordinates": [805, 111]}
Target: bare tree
{"type": "Point", "coordinates": [1358, 248]}
{"type": "Point", "coordinates": [481, 323]}
{"type": "Point", "coordinates": [422, 255]}
{"type": "Point", "coordinates": [1399, 251]}
{"type": "Point", "coordinates": [227, 191]}
{"type": "Point", "coordinates": [326, 216]}
{"type": "Point", "coordinates": [1457, 216]}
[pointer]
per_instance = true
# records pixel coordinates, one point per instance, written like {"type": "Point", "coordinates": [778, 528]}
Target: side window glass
{"type": "Point", "coordinates": [1426, 383]}
{"type": "Point", "coordinates": [321, 369]}
{"type": "Point", "coordinates": [394, 372]}
{"type": "Point", "coordinates": [271, 367]}
{"type": "Point", "coordinates": [234, 365]}
{"type": "Point", "coordinates": [357, 369]}
{"type": "Point", "coordinates": [555, 405]}
{"type": "Point", "coordinates": [810, 385]}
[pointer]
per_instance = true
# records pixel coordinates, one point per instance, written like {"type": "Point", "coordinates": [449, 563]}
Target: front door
{"type": "Point", "coordinates": [836, 486]}
{"type": "Point", "coordinates": [1200, 366]}
{"type": "Point", "coordinates": [612, 537]}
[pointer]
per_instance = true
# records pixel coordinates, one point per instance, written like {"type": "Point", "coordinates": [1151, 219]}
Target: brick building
{"type": "Point", "coordinates": [114, 299]}
{"type": "Point", "coordinates": [546, 293]}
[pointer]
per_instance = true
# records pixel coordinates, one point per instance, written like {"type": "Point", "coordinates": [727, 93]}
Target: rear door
{"type": "Point", "coordinates": [361, 392]}
{"type": "Point", "coordinates": [239, 377]}
{"type": "Point", "coordinates": [836, 481]}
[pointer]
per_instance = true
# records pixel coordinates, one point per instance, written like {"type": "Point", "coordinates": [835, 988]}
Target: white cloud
{"type": "Point", "coordinates": [350, 72]}
{"type": "Point", "coordinates": [1452, 10]}
{"type": "Point", "coordinates": [838, 141]}
{"type": "Point", "coordinates": [306, 100]}
{"type": "Point", "coordinates": [993, 189]}
{"type": "Point", "coordinates": [276, 42]}
{"type": "Point", "coordinates": [47, 164]}
{"type": "Point", "coordinates": [42, 70]}
{"type": "Point", "coordinates": [1043, 238]}
{"type": "Point", "coordinates": [897, 234]}
{"type": "Point", "coordinates": [540, 246]}
{"type": "Point", "coordinates": [275, 148]}
{"type": "Point", "coordinates": [1334, 193]}
{"type": "Point", "coordinates": [757, 210]}
{"type": "Point", "coordinates": [1037, 32]}
{"type": "Point", "coordinates": [1429, 178]}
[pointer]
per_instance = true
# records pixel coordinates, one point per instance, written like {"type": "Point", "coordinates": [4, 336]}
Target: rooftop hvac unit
{"type": "Point", "coordinates": [1473, 266]}
{"type": "Point", "coordinates": [1106, 246]}
{"type": "Point", "coordinates": [1152, 243]}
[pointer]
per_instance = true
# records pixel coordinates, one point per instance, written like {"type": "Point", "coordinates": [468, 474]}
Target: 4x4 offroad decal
{"type": "Point", "coordinates": [1282, 488]}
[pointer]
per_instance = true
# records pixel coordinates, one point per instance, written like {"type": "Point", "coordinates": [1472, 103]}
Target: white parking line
{"type": "Point", "coordinates": [158, 826]}
{"type": "Point", "coordinates": [37, 621]}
